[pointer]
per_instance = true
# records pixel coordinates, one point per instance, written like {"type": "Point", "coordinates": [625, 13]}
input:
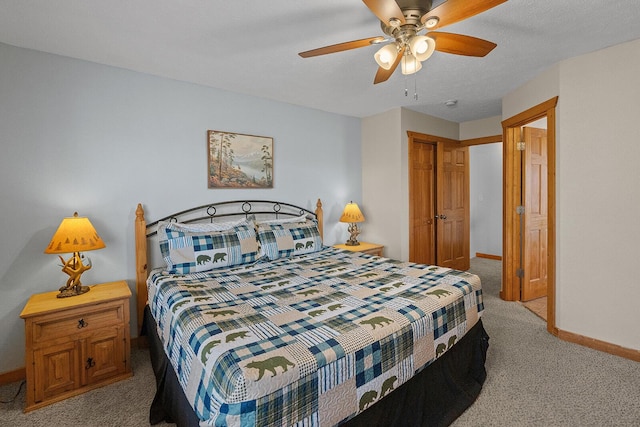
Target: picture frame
{"type": "Point", "coordinates": [237, 160]}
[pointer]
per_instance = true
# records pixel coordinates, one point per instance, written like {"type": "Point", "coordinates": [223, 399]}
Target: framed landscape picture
{"type": "Point", "coordinates": [239, 161]}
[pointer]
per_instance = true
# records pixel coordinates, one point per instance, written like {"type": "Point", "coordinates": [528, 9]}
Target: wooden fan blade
{"type": "Point", "coordinates": [385, 10]}
{"type": "Point", "coordinates": [341, 46]}
{"type": "Point", "coordinates": [452, 11]}
{"type": "Point", "coordinates": [459, 44]}
{"type": "Point", "coordinates": [383, 75]}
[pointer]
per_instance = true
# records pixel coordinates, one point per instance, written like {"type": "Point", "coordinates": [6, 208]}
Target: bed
{"type": "Point", "coordinates": [252, 321]}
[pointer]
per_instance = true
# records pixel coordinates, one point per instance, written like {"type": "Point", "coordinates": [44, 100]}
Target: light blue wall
{"type": "Point", "coordinates": [79, 136]}
{"type": "Point", "coordinates": [485, 204]}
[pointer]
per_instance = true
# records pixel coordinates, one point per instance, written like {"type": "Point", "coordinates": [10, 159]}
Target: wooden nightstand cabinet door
{"type": "Point", "coordinates": [55, 370]}
{"type": "Point", "coordinates": [103, 355]}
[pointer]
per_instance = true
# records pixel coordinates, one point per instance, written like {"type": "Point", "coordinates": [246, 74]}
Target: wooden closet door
{"type": "Point", "coordinates": [422, 202]}
{"type": "Point", "coordinates": [534, 262]}
{"type": "Point", "coordinates": [453, 206]}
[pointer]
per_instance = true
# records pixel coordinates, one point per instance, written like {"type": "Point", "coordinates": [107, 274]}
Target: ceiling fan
{"type": "Point", "coordinates": [404, 21]}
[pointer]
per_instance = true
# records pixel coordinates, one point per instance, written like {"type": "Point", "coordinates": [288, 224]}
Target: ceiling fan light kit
{"type": "Point", "coordinates": [386, 55]}
{"type": "Point", "coordinates": [410, 64]}
{"type": "Point", "coordinates": [404, 21]}
{"type": "Point", "coordinates": [422, 47]}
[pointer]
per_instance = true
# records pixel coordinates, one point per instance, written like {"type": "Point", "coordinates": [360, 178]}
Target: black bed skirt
{"type": "Point", "coordinates": [434, 397]}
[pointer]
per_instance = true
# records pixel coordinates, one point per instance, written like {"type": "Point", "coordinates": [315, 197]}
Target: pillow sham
{"type": "Point", "coordinates": [187, 252]}
{"type": "Point", "coordinates": [297, 219]}
{"type": "Point", "coordinates": [201, 227]}
{"type": "Point", "coordinates": [288, 239]}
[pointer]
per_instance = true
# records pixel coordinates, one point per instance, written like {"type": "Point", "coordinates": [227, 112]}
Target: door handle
{"type": "Point", "coordinates": [441, 217]}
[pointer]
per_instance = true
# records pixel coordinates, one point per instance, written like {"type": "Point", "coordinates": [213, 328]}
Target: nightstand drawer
{"type": "Point", "coordinates": [77, 321]}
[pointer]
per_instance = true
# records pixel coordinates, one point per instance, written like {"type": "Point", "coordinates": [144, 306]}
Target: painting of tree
{"type": "Point", "coordinates": [239, 161]}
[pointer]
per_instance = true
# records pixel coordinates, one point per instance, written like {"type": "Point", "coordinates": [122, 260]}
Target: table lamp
{"type": "Point", "coordinates": [352, 215]}
{"type": "Point", "coordinates": [74, 234]}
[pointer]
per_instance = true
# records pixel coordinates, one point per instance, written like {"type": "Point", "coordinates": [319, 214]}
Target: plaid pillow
{"type": "Point", "coordinates": [288, 239]}
{"type": "Point", "coordinates": [199, 227]}
{"type": "Point", "coordinates": [189, 252]}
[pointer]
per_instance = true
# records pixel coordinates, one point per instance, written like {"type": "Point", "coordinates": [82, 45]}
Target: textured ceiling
{"type": "Point", "coordinates": [251, 47]}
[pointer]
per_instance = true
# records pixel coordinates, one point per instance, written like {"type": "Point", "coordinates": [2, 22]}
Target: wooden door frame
{"type": "Point", "coordinates": [417, 137]}
{"type": "Point", "coordinates": [438, 140]}
{"type": "Point", "coordinates": [511, 199]}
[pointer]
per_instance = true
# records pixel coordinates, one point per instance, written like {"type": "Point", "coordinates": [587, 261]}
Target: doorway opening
{"type": "Point", "coordinates": [529, 251]}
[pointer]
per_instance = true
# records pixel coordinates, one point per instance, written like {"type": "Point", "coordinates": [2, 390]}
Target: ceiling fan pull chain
{"type": "Point", "coordinates": [415, 89]}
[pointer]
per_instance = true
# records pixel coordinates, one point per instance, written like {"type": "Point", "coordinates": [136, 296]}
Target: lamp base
{"type": "Point", "coordinates": [73, 291]}
{"type": "Point", "coordinates": [74, 268]}
{"type": "Point", "coordinates": [353, 235]}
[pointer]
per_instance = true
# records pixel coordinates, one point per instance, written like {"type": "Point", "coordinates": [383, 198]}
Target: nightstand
{"type": "Point", "coordinates": [76, 344]}
{"type": "Point", "coordinates": [367, 248]}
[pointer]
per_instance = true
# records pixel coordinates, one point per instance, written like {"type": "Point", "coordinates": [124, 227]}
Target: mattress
{"type": "Point", "coordinates": [308, 340]}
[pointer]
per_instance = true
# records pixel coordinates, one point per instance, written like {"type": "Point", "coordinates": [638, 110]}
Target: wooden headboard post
{"type": "Point", "coordinates": [141, 264]}
{"type": "Point", "coordinates": [142, 268]}
{"type": "Point", "coordinates": [319, 217]}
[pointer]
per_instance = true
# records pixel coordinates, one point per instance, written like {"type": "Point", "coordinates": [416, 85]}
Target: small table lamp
{"type": "Point", "coordinates": [74, 234]}
{"type": "Point", "coordinates": [352, 215]}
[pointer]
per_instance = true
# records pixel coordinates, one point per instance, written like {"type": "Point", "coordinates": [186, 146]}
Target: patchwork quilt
{"type": "Point", "coordinates": [308, 340]}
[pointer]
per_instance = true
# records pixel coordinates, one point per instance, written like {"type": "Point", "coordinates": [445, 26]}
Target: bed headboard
{"type": "Point", "coordinates": [258, 209]}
